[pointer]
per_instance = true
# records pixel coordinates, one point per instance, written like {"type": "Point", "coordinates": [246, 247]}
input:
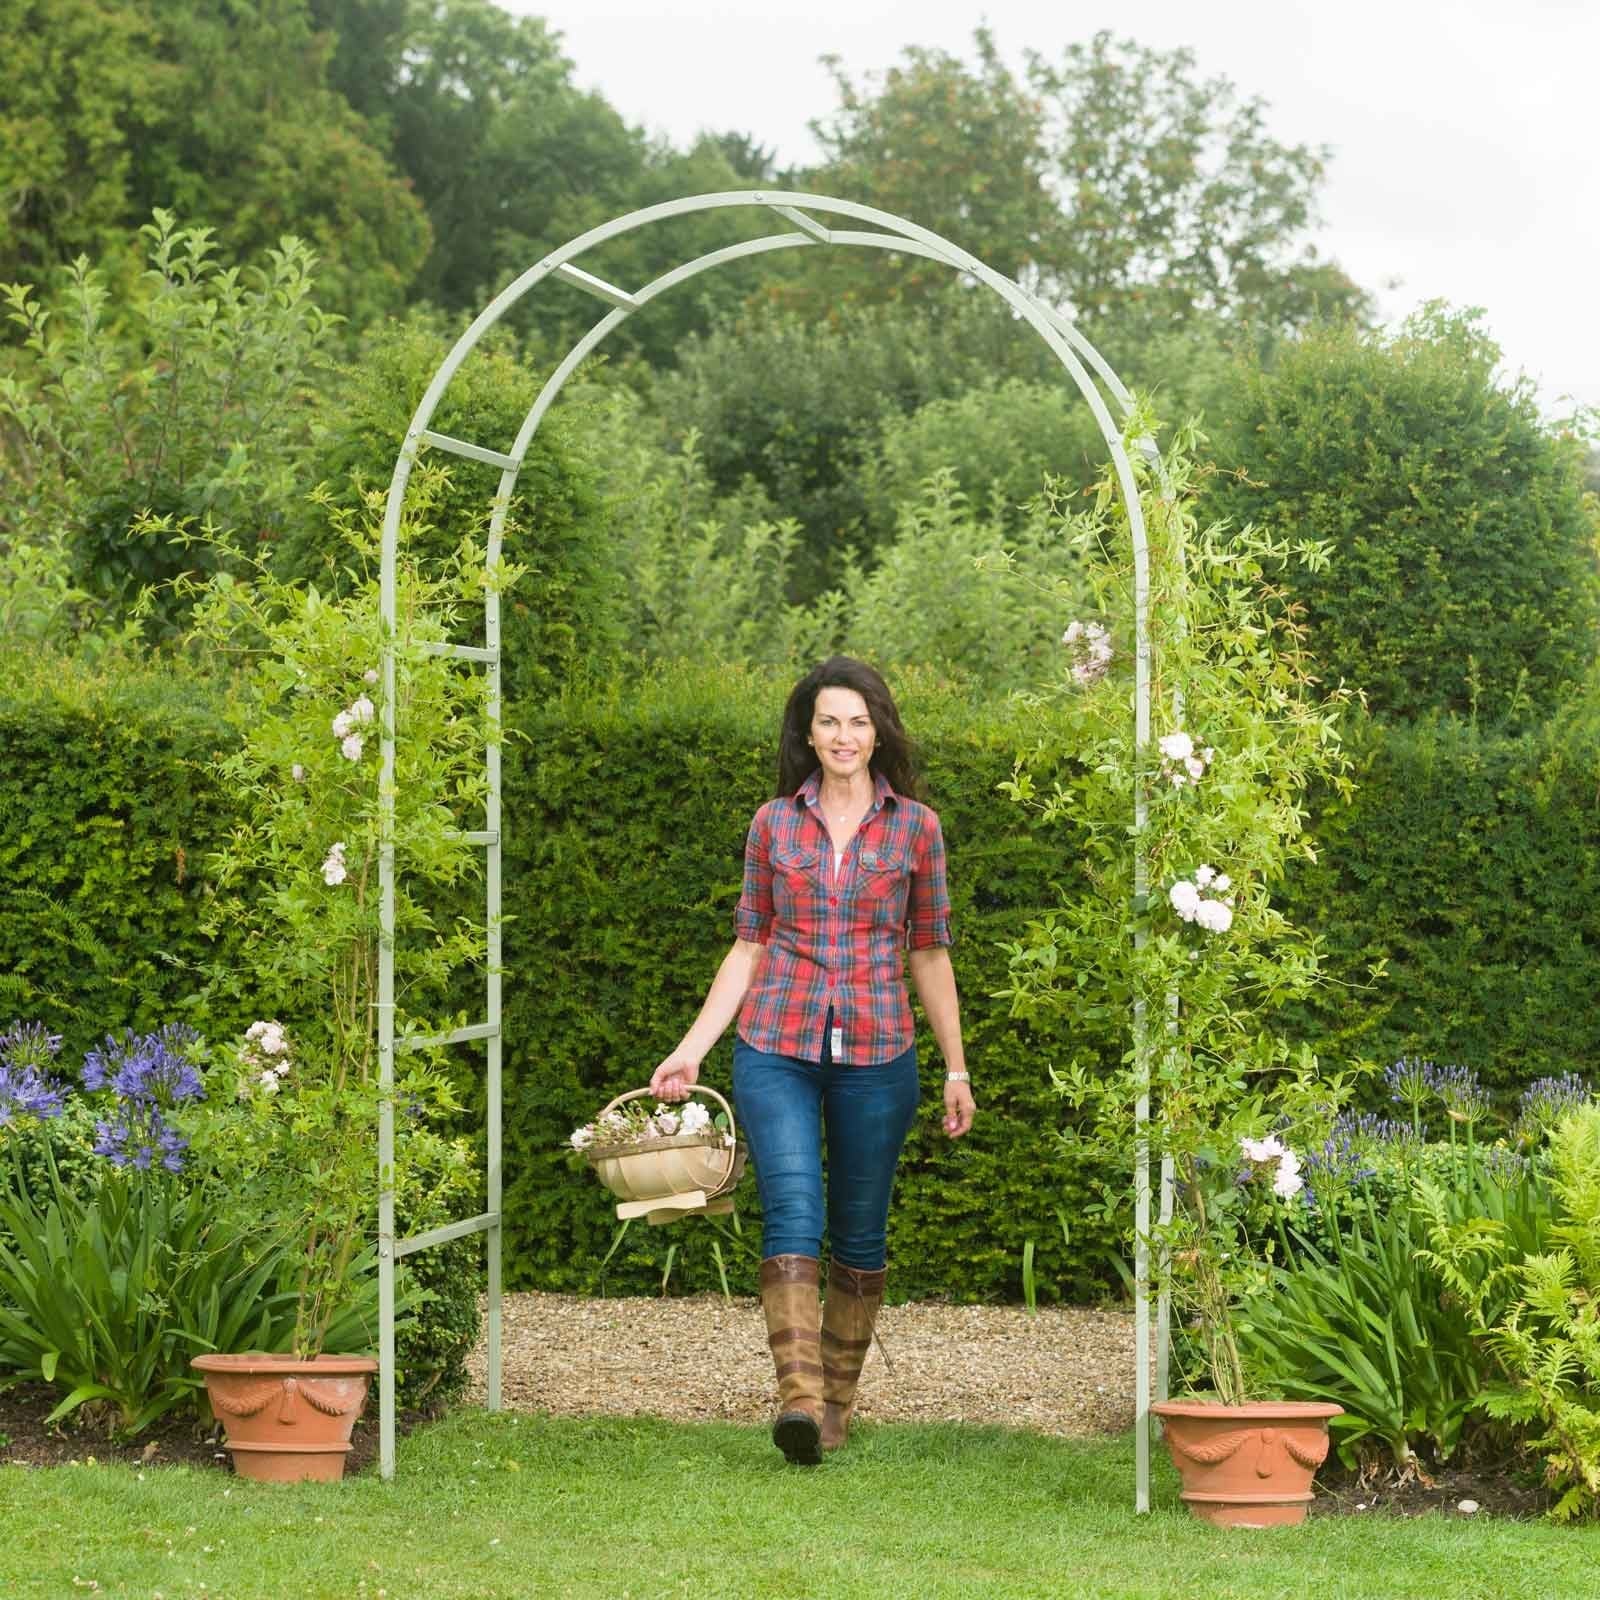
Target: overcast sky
{"type": "Point", "coordinates": [1465, 133]}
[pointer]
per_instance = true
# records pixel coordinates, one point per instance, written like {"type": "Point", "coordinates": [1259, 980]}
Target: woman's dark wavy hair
{"type": "Point", "coordinates": [893, 753]}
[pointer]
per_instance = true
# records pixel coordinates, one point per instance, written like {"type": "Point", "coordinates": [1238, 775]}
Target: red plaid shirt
{"type": "Point", "coordinates": [839, 942]}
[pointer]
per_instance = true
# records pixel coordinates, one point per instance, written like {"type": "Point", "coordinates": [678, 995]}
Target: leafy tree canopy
{"type": "Point", "coordinates": [224, 115]}
{"type": "Point", "coordinates": [1115, 179]}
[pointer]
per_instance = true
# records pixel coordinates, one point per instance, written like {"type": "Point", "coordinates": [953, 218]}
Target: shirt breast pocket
{"type": "Point", "coordinates": [792, 872]}
{"type": "Point", "coordinates": [885, 879]}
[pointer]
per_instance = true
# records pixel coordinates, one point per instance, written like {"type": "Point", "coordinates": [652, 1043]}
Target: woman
{"type": "Point", "coordinates": [843, 872]}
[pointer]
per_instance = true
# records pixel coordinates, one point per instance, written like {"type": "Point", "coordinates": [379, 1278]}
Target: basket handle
{"type": "Point", "coordinates": [694, 1088]}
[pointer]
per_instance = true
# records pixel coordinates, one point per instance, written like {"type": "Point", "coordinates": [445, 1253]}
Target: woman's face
{"type": "Point", "coordinates": [842, 733]}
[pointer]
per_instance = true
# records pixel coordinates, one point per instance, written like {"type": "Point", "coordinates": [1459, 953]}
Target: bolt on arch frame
{"type": "Point", "coordinates": [1088, 371]}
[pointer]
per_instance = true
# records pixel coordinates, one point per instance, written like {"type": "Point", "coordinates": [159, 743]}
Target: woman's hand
{"type": "Point", "coordinates": [675, 1077]}
{"type": "Point", "coordinates": [959, 1107]}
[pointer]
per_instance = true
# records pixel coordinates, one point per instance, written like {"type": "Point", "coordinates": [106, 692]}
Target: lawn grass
{"type": "Point", "coordinates": [512, 1507]}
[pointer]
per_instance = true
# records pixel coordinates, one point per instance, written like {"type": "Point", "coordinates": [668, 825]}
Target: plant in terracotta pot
{"type": "Point", "coordinates": [1173, 928]}
{"type": "Point", "coordinates": [291, 1135]}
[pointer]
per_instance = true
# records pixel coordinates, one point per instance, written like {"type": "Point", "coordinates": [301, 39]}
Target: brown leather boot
{"type": "Point", "coordinates": [848, 1316]}
{"type": "Point", "coordinates": [789, 1298]}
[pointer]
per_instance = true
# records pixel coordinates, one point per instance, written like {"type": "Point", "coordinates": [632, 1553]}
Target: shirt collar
{"type": "Point", "coordinates": [809, 792]}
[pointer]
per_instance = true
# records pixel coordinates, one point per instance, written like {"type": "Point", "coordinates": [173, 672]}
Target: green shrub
{"type": "Point", "coordinates": [796, 405]}
{"type": "Point", "coordinates": [1464, 575]}
{"type": "Point", "coordinates": [192, 400]}
{"type": "Point", "coordinates": [998, 441]}
{"type": "Point", "coordinates": [563, 612]}
{"type": "Point", "coordinates": [1534, 1304]}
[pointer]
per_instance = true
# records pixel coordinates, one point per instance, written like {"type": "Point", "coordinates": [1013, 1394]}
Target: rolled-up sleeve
{"type": "Point", "coordinates": [928, 907]}
{"type": "Point", "coordinates": [752, 920]}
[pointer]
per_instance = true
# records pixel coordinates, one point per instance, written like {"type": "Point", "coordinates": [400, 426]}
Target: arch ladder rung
{"type": "Point", "coordinates": [475, 1030]}
{"type": "Point", "coordinates": [461, 652]}
{"type": "Point", "coordinates": [598, 287]}
{"type": "Point", "coordinates": [444, 1234]}
{"type": "Point", "coordinates": [473, 452]}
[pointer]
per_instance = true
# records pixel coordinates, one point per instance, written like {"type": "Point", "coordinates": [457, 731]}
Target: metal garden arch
{"type": "Point", "coordinates": [1088, 371]}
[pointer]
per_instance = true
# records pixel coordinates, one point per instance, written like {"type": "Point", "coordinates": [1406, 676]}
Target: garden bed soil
{"type": "Point", "coordinates": [26, 1439]}
{"type": "Point", "coordinates": [1064, 1370]}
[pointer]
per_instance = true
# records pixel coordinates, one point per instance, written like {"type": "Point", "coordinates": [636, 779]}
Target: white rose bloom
{"type": "Point", "coordinates": [1268, 1149]}
{"type": "Point", "coordinates": [256, 1029]}
{"type": "Point", "coordinates": [582, 1138]}
{"type": "Point", "coordinates": [350, 749]}
{"type": "Point", "coordinates": [362, 709]}
{"type": "Point", "coordinates": [1204, 874]}
{"type": "Point", "coordinates": [1288, 1181]}
{"type": "Point", "coordinates": [1073, 634]}
{"type": "Point", "coordinates": [1213, 916]}
{"type": "Point", "coordinates": [694, 1118]}
{"type": "Point", "coordinates": [333, 869]}
{"type": "Point", "coordinates": [666, 1121]}
{"type": "Point", "coordinates": [1185, 899]}
{"type": "Point", "coordinates": [343, 725]}
{"type": "Point", "coordinates": [1223, 883]}
{"type": "Point", "coordinates": [1197, 768]}
{"type": "Point", "coordinates": [370, 675]}
{"type": "Point", "coordinates": [268, 1082]}
{"type": "Point", "coordinates": [1176, 779]}
{"type": "Point", "coordinates": [1176, 746]}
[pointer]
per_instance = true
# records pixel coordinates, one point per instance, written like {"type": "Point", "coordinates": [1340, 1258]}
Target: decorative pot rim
{"type": "Point", "coordinates": [259, 1361]}
{"type": "Point", "coordinates": [1250, 1410]}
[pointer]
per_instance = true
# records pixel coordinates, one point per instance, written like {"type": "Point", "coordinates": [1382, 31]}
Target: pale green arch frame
{"type": "Point", "coordinates": [1088, 371]}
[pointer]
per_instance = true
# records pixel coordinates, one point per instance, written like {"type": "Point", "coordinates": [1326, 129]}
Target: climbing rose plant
{"type": "Point", "coordinates": [1173, 991]}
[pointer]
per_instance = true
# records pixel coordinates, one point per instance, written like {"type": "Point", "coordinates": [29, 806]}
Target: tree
{"type": "Point", "coordinates": [797, 405]}
{"type": "Point", "coordinates": [223, 115]}
{"type": "Point", "coordinates": [1464, 573]}
{"type": "Point", "coordinates": [1175, 200]}
{"type": "Point", "coordinates": [956, 149]}
{"type": "Point", "coordinates": [80, 89]}
{"type": "Point", "coordinates": [1114, 180]}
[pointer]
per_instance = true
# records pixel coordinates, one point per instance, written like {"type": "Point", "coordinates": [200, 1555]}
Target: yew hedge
{"type": "Point", "coordinates": [1469, 861]}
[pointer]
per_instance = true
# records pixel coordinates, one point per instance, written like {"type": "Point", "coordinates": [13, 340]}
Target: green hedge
{"type": "Point", "coordinates": [1471, 863]}
{"type": "Point", "coordinates": [106, 816]}
{"type": "Point", "coordinates": [1468, 861]}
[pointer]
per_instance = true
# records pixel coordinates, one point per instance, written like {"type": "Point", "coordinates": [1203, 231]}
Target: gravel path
{"type": "Point", "coordinates": [1064, 1370]}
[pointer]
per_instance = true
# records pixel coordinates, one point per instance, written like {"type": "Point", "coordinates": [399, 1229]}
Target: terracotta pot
{"type": "Point", "coordinates": [1247, 1466]}
{"type": "Point", "coordinates": [287, 1420]}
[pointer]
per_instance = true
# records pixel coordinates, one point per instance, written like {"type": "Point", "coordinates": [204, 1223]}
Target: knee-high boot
{"type": "Point", "coordinates": [789, 1298]}
{"type": "Point", "coordinates": [848, 1316]}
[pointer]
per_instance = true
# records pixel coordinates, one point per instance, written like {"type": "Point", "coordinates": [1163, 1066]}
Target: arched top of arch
{"type": "Point", "coordinates": [1091, 374]}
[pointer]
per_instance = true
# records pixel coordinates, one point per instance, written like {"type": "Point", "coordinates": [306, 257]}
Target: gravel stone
{"type": "Point", "coordinates": [1063, 1370]}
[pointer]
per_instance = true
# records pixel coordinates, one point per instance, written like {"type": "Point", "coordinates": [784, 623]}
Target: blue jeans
{"type": "Point", "coordinates": [782, 1104]}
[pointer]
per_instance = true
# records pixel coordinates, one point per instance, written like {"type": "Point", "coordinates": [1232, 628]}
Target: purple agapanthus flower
{"type": "Point", "coordinates": [1547, 1100]}
{"type": "Point", "coordinates": [27, 1092]}
{"type": "Point", "coordinates": [1461, 1093]}
{"type": "Point", "coordinates": [1410, 1081]}
{"type": "Point", "coordinates": [152, 1069]}
{"type": "Point", "coordinates": [29, 1044]}
{"type": "Point", "coordinates": [139, 1137]}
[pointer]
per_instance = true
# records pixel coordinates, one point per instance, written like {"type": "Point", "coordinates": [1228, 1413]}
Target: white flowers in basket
{"type": "Point", "coordinates": [633, 1124]}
